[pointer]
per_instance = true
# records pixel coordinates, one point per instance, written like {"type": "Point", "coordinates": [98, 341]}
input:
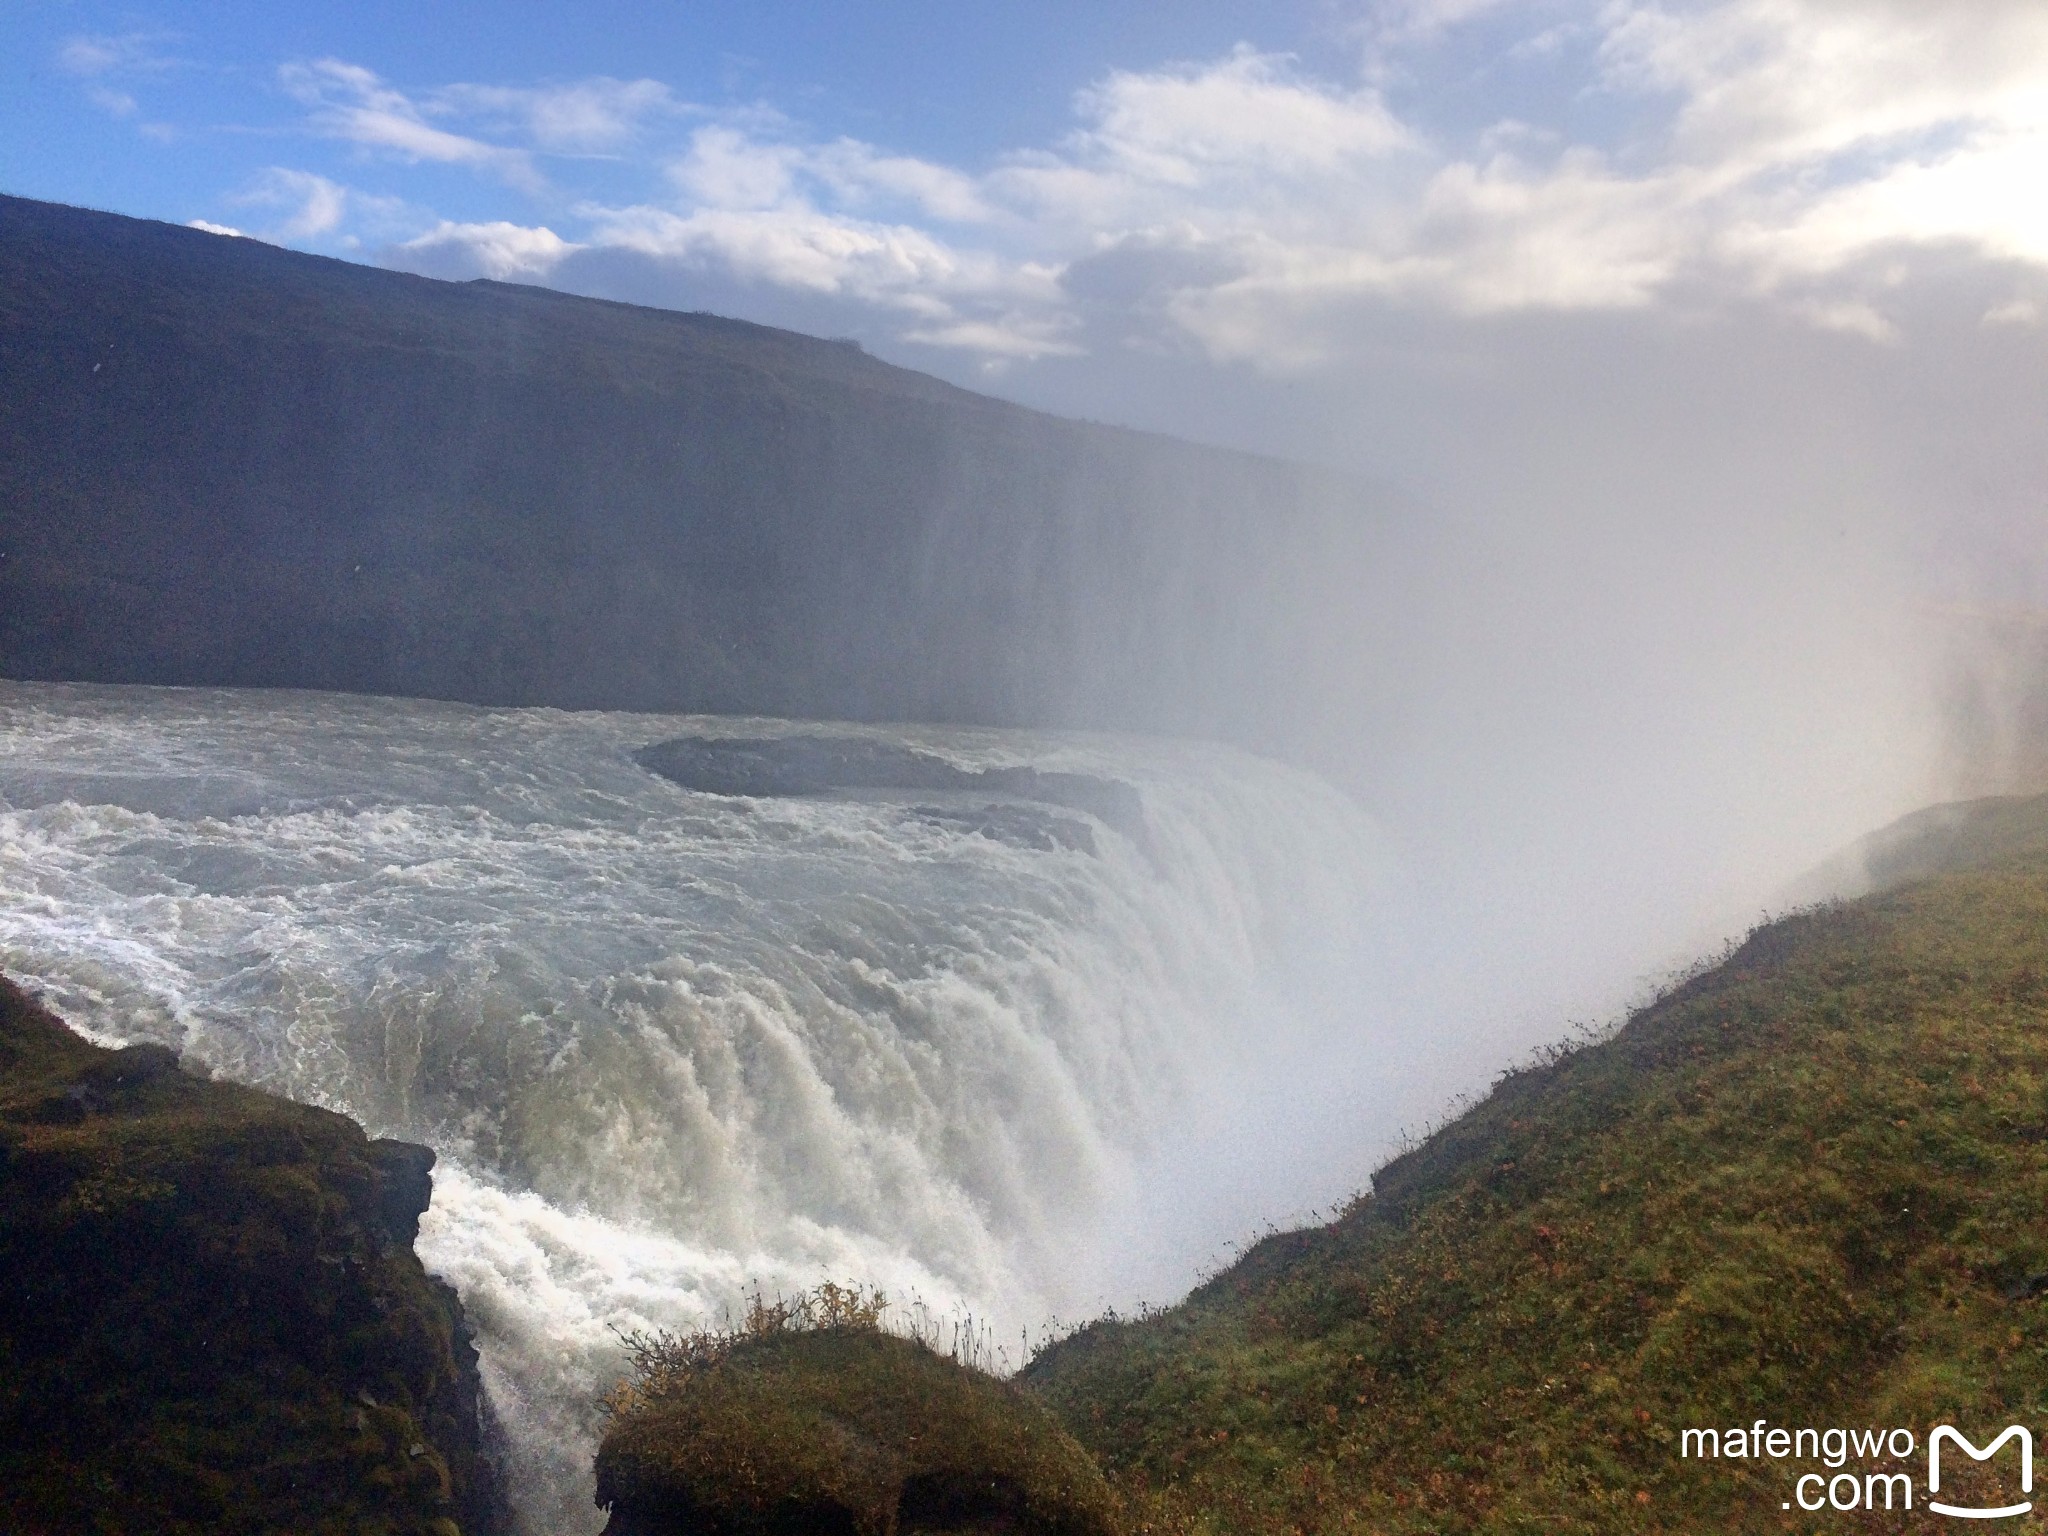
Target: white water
{"type": "Point", "coordinates": [672, 1045]}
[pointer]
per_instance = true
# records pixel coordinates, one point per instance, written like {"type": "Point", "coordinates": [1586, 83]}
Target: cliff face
{"type": "Point", "coordinates": [211, 1317]}
{"type": "Point", "coordinates": [225, 463]}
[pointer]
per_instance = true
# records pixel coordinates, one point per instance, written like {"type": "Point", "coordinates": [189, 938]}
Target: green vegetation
{"type": "Point", "coordinates": [211, 1317]}
{"type": "Point", "coordinates": [811, 1418]}
{"type": "Point", "coordinates": [1809, 1185]}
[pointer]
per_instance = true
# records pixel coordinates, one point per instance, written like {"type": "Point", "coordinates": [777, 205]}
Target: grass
{"type": "Point", "coordinates": [813, 1417]}
{"type": "Point", "coordinates": [211, 1317]}
{"type": "Point", "coordinates": [1809, 1185]}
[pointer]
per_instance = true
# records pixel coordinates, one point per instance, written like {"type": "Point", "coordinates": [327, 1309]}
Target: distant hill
{"type": "Point", "coordinates": [226, 463]}
{"type": "Point", "coordinates": [1809, 1186]}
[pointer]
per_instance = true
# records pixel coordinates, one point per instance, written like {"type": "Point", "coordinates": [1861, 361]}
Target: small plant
{"type": "Point", "coordinates": [845, 1306]}
{"type": "Point", "coordinates": [664, 1363]}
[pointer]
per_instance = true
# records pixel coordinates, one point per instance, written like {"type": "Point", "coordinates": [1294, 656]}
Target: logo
{"type": "Point", "coordinates": [1865, 1469]}
{"type": "Point", "coordinates": [1970, 1512]}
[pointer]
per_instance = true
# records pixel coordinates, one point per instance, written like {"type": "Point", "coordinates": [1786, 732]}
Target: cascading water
{"type": "Point", "coordinates": [671, 1045]}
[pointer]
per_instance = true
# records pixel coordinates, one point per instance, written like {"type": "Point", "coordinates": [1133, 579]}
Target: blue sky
{"type": "Point", "coordinates": [957, 83]}
{"type": "Point", "coordinates": [954, 82]}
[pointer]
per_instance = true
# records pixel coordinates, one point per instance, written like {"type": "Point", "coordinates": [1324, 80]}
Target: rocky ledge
{"type": "Point", "coordinates": [819, 764]}
{"type": "Point", "coordinates": [211, 1316]}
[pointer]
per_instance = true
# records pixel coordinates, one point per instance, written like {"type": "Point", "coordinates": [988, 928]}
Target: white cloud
{"type": "Point", "coordinates": [115, 53]}
{"type": "Point", "coordinates": [1242, 142]}
{"type": "Point", "coordinates": [498, 249]}
{"type": "Point", "coordinates": [1972, 195]}
{"type": "Point", "coordinates": [1769, 82]}
{"type": "Point", "coordinates": [1243, 113]}
{"type": "Point", "coordinates": [793, 247]}
{"type": "Point", "coordinates": [100, 59]}
{"type": "Point", "coordinates": [117, 103]}
{"type": "Point", "coordinates": [1013, 338]}
{"type": "Point", "coordinates": [595, 116]}
{"type": "Point", "coordinates": [313, 208]}
{"type": "Point", "coordinates": [1805, 138]}
{"type": "Point", "coordinates": [1408, 20]}
{"type": "Point", "coordinates": [1820, 131]}
{"type": "Point", "coordinates": [2014, 312]}
{"type": "Point", "coordinates": [861, 175]}
{"type": "Point", "coordinates": [212, 228]}
{"type": "Point", "coordinates": [941, 296]}
{"type": "Point", "coordinates": [314, 205]}
{"type": "Point", "coordinates": [1783, 151]}
{"type": "Point", "coordinates": [1852, 317]}
{"type": "Point", "coordinates": [352, 103]}
{"type": "Point", "coordinates": [727, 169]}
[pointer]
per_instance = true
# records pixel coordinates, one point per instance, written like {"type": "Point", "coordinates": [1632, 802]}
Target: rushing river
{"type": "Point", "coordinates": [672, 1045]}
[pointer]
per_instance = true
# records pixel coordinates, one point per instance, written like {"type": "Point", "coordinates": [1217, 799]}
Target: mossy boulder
{"type": "Point", "coordinates": [211, 1316]}
{"type": "Point", "coordinates": [843, 1432]}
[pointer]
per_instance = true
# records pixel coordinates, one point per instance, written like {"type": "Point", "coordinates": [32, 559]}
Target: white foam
{"type": "Point", "coordinates": [670, 1045]}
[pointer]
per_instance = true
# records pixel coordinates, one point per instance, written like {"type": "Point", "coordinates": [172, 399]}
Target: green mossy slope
{"type": "Point", "coordinates": [211, 1317]}
{"type": "Point", "coordinates": [1809, 1185]}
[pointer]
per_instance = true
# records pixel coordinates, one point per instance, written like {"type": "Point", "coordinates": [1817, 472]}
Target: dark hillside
{"type": "Point", "coordinates": [1808, 1186]}
{"type": "Point", "coordinates": [226, 463]}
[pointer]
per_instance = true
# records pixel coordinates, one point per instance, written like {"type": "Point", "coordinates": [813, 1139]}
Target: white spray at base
{"type": "Point", "coordinates": [671, 1046]}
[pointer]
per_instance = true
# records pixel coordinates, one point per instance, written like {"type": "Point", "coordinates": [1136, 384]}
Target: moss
{"type": "Point", "coordinates": [1809, 1185]}
{"type": "Point", "coordinates": [211, 1318]}
{"type": "Point", "coordinates": [840, 1429]}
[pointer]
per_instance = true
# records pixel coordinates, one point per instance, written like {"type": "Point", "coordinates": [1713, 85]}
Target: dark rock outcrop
{"type": "Point", "coordinates": [225, 463]}
{"type": "Point", "coordinates": [211, 1316]}
{"type": "Point", "coordinates": [814, 763]}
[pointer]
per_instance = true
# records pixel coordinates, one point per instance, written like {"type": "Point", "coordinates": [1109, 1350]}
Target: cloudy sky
{"type": "Point", "coordinates": [1011, 183]}
{"type": "Point", "coordinates": [1710, 339]}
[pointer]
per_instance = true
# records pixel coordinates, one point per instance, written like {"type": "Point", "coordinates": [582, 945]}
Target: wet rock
{"type": "Point", "coordinates": [407, 1187]}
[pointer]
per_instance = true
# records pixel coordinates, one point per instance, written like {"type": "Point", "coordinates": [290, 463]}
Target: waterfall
{"type": "Point", "coordinates": [672, 1045]}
